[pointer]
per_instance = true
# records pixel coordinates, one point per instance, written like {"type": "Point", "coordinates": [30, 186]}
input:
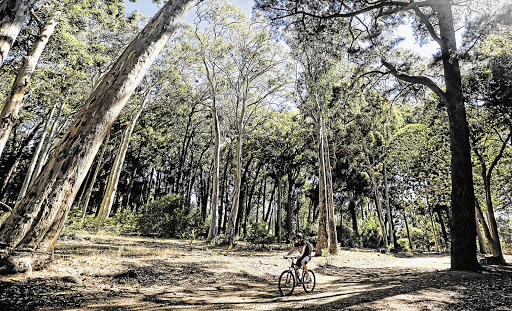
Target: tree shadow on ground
{"type": "Point", "coordinates": [201, 280]}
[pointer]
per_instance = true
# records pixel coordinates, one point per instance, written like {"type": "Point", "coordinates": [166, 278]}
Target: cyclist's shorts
{"type": "Point", "coordinates": [305, 260]}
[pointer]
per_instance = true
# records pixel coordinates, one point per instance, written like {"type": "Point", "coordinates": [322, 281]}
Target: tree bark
{"type": "Point", "coordinates": [333, 239]}
{"type": "Point", "coordinates": [323, 230]}
{"type": "Point", "coordinates": [115, 173]}
{"type": "Point", "coordinates": [9, 114]}
{"type": "Point", "coordinates": [13, 14]}
{"type": "Point", "coordinates": [99, 165]}
{"type": "Point", "coordinates": [35, 156]}
{"type": "Point", "coordinates": [388, 208]}
{"type": "Point", "coordinates": [214, 204]}
{"type": "Point", "coordinates": [231, 226]}
{"type": "Point", "coordinates": [28, 235]}
{"type": "Point", "coordinates": [22, 148]}
{"type": "Point", "coordinates": [463, 233]}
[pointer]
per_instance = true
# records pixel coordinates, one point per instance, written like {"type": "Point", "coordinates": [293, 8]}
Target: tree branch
{"type": "Point", "coordinates": [426, 22]}
{"type": "Point", "coordinates": [399, 6]}
{"type": "Point", "coordinates": [415, 79]}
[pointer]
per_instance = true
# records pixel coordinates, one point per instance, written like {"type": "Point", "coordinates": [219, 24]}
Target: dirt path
{"type": "Point", "coordinates": [117, 273]}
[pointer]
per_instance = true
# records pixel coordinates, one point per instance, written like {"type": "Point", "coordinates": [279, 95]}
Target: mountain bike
{"type": "Point", "coordinates": [287, 279]}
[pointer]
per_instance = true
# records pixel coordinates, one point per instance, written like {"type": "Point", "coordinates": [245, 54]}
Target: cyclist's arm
{"type": "Point", "coordinates": [291, 251]}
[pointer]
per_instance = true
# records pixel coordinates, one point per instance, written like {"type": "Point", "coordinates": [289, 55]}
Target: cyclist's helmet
{"type": "Point", "coordinates": [299, 235]}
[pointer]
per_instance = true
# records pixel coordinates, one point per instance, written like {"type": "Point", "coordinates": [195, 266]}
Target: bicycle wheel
{"type": "Point", "coordinates": [309, 286]}
{"type": "Point", "coordinates": [286, 283]}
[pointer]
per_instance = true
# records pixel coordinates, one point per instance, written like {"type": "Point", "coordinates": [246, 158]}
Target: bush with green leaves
{"type": "Point", "coordinates": [166, 217]}
{"type": "Point", "coordinates": [370, 233]}
{"type": "Point", "coordinates": [347, 237]}
{"type": "Point", "coordinates": [258, 234]}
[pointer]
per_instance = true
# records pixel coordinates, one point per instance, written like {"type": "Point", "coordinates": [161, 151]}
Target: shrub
{"type": "Point", "coordinates": [370, 234]}
{"type": "Point", "coordinates": [258, 234]}
{"type": "Point", "coordinates": [165, 217]}
{"type": "Point", "coordinates": [347, 237]}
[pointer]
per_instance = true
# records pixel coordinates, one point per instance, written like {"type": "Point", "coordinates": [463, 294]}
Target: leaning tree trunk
{"type": "Point", "coordinates": [35, 157]}
{"type": "Point", "coordinates": [28, 235]}
{"type": "Point", "coordinates": [9, 114]}
{"type": "Point", "coordinates": [43, 157]}
{"type": "Point", "coordinates": [23, 147]}
{"type": "Point", "coordinates": [115, 173]}
{"type": "Point", "coordinates": [13, 14]}
{"type": "Point", "coordinates": [99, 165]}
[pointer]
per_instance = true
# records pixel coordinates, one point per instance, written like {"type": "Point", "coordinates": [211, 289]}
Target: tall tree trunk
{"type": "Point", "coordinates": [99, 165]}
{"type": "Point", "coordinates": [388, 208]}
{"type": "Point", "coordinates": [411, 246]}
{"type": "Point", "coordinates": [291, 181]}
{"type": "Point", "coordinates": [115, 173]}
{"type": "Point", "coordinates": [377, 201]}
{"type": "Point", "coordinates": [481, 243]}
{"type": "Point", "coordinates": [353, 214]}
{"type": "Point", "coordinates": [279, 210]}
{"type": "Point", "coordinates": [269, 209]}
{"type": "Point", "coordinates": [28, 235]}
{"type": "Point", "coordinates": [486, 173]}
{"type": "Point", "coordinates": [333, 239]}
{"type": "Point", "coordinates": [35, 156]}
{"type": "Point", "coordinates": [49, 142]}
{"type": "Point", "coordinates": [231, 226]}
{"type": "Point", "coordinates": [9, 114]}
{"type": "Point", "coordinates": [13, 14]}
{"type": "Point", "coordinates": [22, 148]}
{"type": "Point", "coordinates": [463, 233]}
{"type": "Point", "coordinates": [323, 230]}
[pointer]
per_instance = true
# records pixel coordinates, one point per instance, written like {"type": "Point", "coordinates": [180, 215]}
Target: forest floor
{"type": "Point", "coordinates": [101, 272]}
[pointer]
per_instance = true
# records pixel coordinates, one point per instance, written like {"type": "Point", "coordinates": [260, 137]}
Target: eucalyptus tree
{"type": "Point", "coordinates": [76, 54]}
{"type": "Point", "coordinates": [28, 235]}
{"type": "Point", "coordinates": [255, 71]}
{"type": "Point", "coordinates": [10, 111]}
{"type": "Point", "coordinates": [370, 24]}
{"type": "Point", "coordinates": [215, 18]}
{"type": "Point", "coordinates": [13, 14]}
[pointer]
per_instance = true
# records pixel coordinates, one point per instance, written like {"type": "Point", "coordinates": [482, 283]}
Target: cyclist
{"type": "Point", "coordinates": [304, 249]}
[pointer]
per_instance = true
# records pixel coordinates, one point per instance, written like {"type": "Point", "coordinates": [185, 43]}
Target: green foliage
{"type": "Point", "coordinates": [370, 233]}
{"type": "Point", "coordinates": [258, 234]}
{"type": "Point", "coordinates": [403, 244]}
{"type": "Point", "coordinates": [347, 237]}
{"type": "Point", "coordinates": [166, 217]}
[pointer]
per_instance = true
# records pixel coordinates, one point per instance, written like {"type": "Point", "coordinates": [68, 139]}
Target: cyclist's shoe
{"type": "Point", "coordinates": [307, 279]}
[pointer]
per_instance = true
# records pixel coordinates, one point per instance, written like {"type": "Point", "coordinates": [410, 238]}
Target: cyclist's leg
{"type": "Point", "coordinates": [297, 267]}
{"type": "Point", "coordinates": [304, 263]}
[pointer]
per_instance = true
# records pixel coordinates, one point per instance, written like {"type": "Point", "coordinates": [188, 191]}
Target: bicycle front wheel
{"type": "Point", "coordinates": [286, 283]}
{"type": "Point", "coordinates": [309, 286]}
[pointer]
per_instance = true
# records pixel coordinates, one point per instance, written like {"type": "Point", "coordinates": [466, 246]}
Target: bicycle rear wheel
{"type": "Point", "coordinates": [286, 283]}
{"type": "Point", "coordinates": [309, 286]}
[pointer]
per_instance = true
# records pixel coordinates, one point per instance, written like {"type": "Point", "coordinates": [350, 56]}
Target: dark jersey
{"type": "Point", "coordinates": [300, 245]}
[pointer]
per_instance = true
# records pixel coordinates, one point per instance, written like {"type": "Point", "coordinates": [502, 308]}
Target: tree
{"type": "Point", "coordinates": [13, 15]}
{"type": "Point", "coordinates": [9, 114]}
{"type": "Point", "coordinates": [433, 19]}
{"type": "Point", "coordinates": [28, 235]}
